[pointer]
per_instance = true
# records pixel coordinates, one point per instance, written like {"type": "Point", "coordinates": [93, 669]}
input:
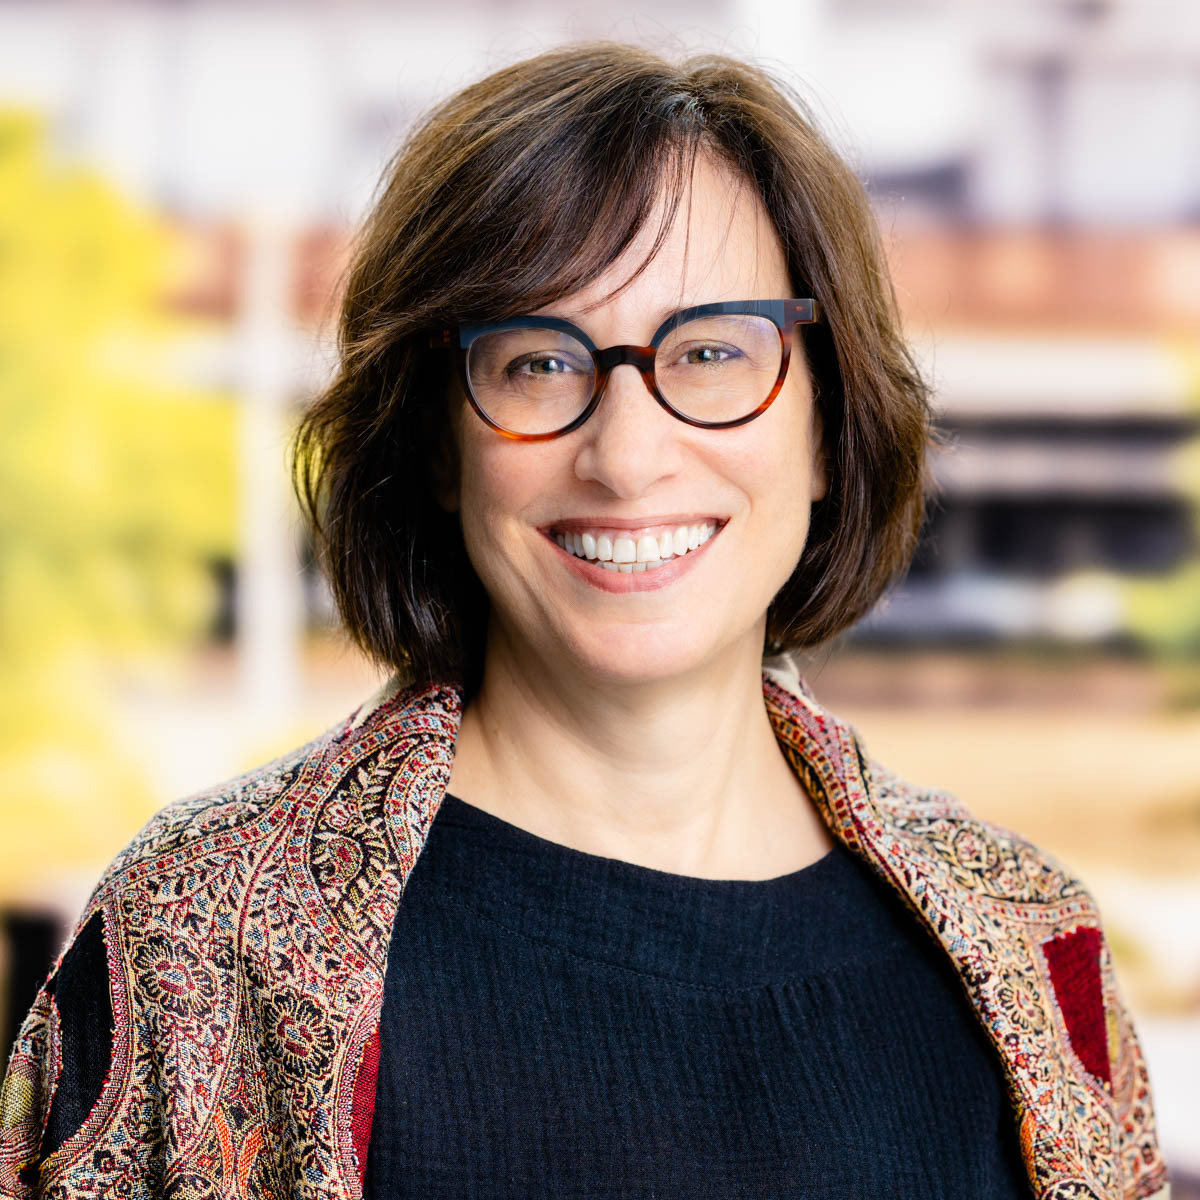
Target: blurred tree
{"type": "Point", "coordinates": [116, 488]}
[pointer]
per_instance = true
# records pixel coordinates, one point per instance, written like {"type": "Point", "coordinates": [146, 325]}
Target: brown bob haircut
{"type": "Point", "coordinates": [518, 191]}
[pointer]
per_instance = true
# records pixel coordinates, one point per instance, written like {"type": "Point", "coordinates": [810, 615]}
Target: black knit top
{"type": "Point", "coordinates": [557, 1023]}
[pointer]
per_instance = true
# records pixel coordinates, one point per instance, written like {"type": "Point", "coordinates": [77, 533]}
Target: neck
{"type": "Point", "coordinates": [682, 775]}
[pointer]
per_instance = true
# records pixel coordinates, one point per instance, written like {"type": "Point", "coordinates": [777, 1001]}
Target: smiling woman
{"type": "Point", "coordinates": [594, 898]}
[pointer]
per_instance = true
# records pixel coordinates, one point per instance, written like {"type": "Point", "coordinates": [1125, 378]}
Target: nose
{"type": "Point", "coordinates": [630, 441]}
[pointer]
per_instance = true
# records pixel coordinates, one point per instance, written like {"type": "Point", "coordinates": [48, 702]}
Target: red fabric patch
{"type": "Point", "coordinates": [1074, 960]}
{"type": "Point", "coordinates": [362, 1107]}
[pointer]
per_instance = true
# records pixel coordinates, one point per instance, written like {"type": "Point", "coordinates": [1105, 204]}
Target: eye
{"type": "Point", "coordinates": [547, 366]}
{"type": "Point", "coordinates": [542, 365]}
{"type": "Point", "coordinates": [706, 355]}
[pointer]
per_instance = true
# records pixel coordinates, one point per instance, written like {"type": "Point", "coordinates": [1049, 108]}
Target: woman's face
{"type": "Point", "coordinates": [634, 469]}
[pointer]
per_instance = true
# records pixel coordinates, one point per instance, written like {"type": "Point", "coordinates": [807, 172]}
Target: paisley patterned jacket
{"type": "Point", "coordinates": [244, 934]}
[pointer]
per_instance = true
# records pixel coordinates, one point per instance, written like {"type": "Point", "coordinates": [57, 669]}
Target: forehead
{"type": "Point", "coordinates": [720, 245]}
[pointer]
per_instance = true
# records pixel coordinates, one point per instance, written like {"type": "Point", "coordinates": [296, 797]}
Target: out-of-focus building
{"type": "Point", "coordinates": [1035, 170]}
{"type": "Point", "coordinates": [1069, 419]}
{"type": "Point", "coordinates": [1047, 259]}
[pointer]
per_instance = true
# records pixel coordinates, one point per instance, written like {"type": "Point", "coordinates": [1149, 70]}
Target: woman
{"type": "Point", "coordinates": [623, 419]}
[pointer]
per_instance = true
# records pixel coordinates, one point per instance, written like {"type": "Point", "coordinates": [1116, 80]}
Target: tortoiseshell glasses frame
{"type": "Point", "coordinates": [784, 314]}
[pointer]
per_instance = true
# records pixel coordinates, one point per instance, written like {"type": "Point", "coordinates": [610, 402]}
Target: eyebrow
{"type": "Point", "coordinates": [576, 318]}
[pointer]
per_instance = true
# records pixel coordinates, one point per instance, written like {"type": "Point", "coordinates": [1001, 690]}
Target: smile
{"type": "Point", "coordinates": [632, 551]}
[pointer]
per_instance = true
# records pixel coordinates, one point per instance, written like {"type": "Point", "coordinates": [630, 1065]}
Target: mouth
{"type": "Point", "coordinates": [635, 550]}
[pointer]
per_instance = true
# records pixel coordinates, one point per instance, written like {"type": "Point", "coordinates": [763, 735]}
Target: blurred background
{"type": "Point", "coordinates": [179, 183]}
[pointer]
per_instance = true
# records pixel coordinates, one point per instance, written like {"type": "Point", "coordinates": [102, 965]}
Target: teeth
{"type": "Point", "coordinates": [621, 553]}
{"type": "Point", "coordinates": [647, 548]}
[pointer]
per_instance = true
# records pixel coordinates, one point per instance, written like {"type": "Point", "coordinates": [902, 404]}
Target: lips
{"type": "Point", "coordinates": [637, 526]}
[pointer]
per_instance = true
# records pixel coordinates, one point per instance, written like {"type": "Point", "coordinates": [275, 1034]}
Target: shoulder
{"type": "Point", "coordinates": [972, 852]}
{"type": "Point", "coordinates": [233, 814]}
{"type": "Point", "coordinates": [236, 813]}
{"type": "Point", "coordinates": [904, 824]}
{"type": "Point", "coordinates": [225, 807]}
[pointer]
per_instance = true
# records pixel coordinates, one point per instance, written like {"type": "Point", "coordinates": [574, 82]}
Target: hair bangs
{"type": "Point", "coordinates": [561, 227]}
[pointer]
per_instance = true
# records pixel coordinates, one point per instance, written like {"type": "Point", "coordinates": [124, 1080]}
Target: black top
{"type": "Point", "coordinates": [556, 1023]}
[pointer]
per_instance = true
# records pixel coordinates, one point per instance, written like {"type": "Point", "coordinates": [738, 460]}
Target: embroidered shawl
{"type": "Point", "coordinates": [245, 930]}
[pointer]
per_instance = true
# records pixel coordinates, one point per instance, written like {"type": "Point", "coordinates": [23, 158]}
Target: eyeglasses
{"type": "Point", "coordinates": [713, 366]}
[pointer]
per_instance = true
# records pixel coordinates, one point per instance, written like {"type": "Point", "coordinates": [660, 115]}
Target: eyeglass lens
{"type": "Point", "coordinates": [715, 368]}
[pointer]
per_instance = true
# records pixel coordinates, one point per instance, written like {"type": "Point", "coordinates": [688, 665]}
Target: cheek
{"type": "Point", "coordinates": [801, 442]}
{"type": "Point", "coordinates": [503, 483]}
{"type": "Point", "coordinates": [780, 452]}
{"type": "Point", "coordinates": [781, 472]}
{"type": "Point", "coordinates": [478, 501]}
{"type": "Point", "coordinates": [483, 505]}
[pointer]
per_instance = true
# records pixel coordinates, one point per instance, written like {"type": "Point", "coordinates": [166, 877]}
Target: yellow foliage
{"type": "Point", "coordinates": [1165, 611]}
{"type": "Point", "coordinates": [117, 485]}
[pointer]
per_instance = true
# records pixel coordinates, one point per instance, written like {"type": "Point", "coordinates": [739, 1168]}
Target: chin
{"type": "Point", "coordinates": [646, 654]}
